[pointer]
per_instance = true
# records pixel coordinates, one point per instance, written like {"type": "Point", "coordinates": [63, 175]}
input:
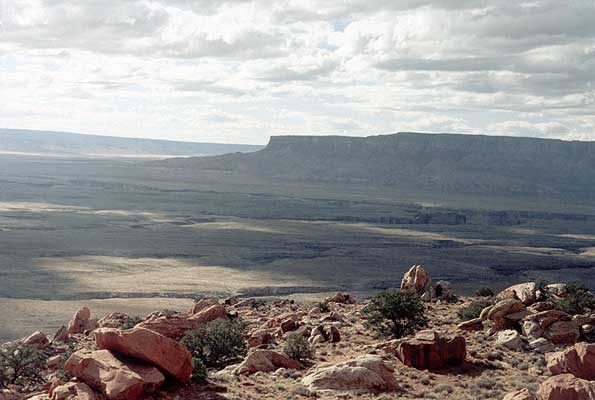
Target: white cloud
{"type": "Point", "coordinates": [242, 70]}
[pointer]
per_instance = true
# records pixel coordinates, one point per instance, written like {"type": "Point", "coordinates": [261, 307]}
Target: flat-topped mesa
{"type": "Point", "coordinates": [416, 161]}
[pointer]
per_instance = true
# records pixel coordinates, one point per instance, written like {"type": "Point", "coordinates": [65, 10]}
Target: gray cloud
{"type": "Point", "coordinates": [263, 67]}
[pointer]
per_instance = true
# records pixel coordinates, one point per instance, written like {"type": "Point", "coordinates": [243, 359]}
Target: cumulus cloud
{"type": "Point", "coordinates": [242, 70]}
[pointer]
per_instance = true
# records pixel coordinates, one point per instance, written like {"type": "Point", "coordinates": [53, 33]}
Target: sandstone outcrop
{"type": "Point", "coordinates": [566, 387]}
{"type": "Point", "coordinates": [115, 379]}
{"type": "Point", "coordinates": [578, 360]}
{"type": "Point", "coordinates": [38, 340]}
{"type": "Point", "coordinates": [176, 326]}
{"type": "Point", "coordinates": [525, 292]}
{"type": "Point", "coordinates": [370, 373]}
{"type": "Point", "coordinates": [72, 391]}
{"type": "Point", "coordinates": [81, 322]}
{"type": "Point", "coordinates": [341, 298]}
{"type": "Point", "coordinates": [430, 350]}
{"type": "Point", "coordinates": [265, 361]}
{"type": "Point", "coordinates": [144, 344]}
{"type": "Point", "coordinates": [522, 394]}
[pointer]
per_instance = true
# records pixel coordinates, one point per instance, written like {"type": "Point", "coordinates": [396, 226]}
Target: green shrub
{"type": "Point", "coordinates": [217, 343]}
{"type": "Point", "coordinates": [298, 348]}
{"type": "Point", "coordinates": [20, 365]}
{"type": "Point", "coordinates": [131, 322]}
{"type": "Point", "coordinates": [324, 306]}
{"type": "Point", "coordinates": [473, 310]}
{"type": "Point", "coordinates": [485, 292]}
{"type": "Point", "coordinates": [199, 370]}
{"type": "Point", "coordinates": [578, 299]}
{"type": "Point", "coordinates": [395, 313]}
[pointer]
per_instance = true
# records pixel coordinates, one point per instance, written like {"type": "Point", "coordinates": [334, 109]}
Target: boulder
{"type": "Point", "coordinates": [510, 339]}
{"type": "Point", "coordinates": [260, 337]}
{"type": "Point", "coordinates": [176, 326]}
{"type": "Point", "coordinates": [81, 322]}
{"type": "Point", "coordinates": [117, 380]}
{"type": "Point", "coordinates": [525, 292]}
{"type": "Point", "coordinates": [61, 335]}
{"type": "Point", "coordinates": [72, 391]}
{"type": "Point", "coordinates": [578, 360]}
{"type": "Point", "coordinates": [541, 306]}
{"type": "Point", "coordinates": [416, 280]}
{"type": "Point", "coordinates": [562, 332]}
{"type": "Point", "coordinates": [472, 325]}
{"type": "Point", "coordinates": [429, 350]}
{"type": "Point", "coordinates": [289, 325]}
{"type": "Point", "coordinates": [566, 387]}
{"type": "Point", "coordinates": [6, 394]}
{"type": "Point", "coordinates": [441, 290]}
{"type": "Point", "coordinates": [498, 313]}
{"type": "Point", "coordinates": [38, 340]}
{"type": "Point", "coordinates": [541, 345]}
{"type": "Point", "coordinates": [557, 289]}
{"type": "Point", "coordinates": [54, 361]}
{"type": "Point", "coordinates": [367, 373]}
{"type": "Point", "coordinates": [144, 344]}
{"type": "Point", "coordinates": [325, 333]}
{"type": "Point", "coordinates": [522, 394]}
{"type": "Point", "coordinates": [113, 320]}
{"type": "Point", "coordinates": [203, 304]}
{"type": "Point", "coordinates": [265, 361]}
{"type": "Point", "coordinates": [276, 321]}
{"type": "Point", "coordinates": [342, 298]}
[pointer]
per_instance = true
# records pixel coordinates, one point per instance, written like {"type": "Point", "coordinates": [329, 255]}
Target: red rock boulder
{"type": "Point", "coordinates": [429, 350]}
{"type": "Point", "coordinates": [176, 326]}
{"type": "Point", "coordinates": [578, 360]}
{"type": "Point", "coordinates": [144, 344]}
{"type": "Point", "coordinates": [81, 322]}
{"type": "Point", "coordinates": [566, 387]}
{"type": "Point", "coordinates": [265, 361]}
{"type": "Point", "coordinates": [107, 374]}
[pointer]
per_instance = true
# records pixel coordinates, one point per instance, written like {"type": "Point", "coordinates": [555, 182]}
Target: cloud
{"type": "Point", "coordinates": [242, 70]}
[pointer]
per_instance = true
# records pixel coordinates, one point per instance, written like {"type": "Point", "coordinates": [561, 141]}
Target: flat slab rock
{"type": "Point", "coordinates": [147, 345]}
{"type": "Point", "coordinates": [578, 360]}
{"type": "Point", "coordinates": [116, 379]}
{"type": "Point", "coordinates": [367, 373]}
{"type": "Point", "coordinates": [265, 361]}
{"type": "Point", "coordinates": [430, 350]}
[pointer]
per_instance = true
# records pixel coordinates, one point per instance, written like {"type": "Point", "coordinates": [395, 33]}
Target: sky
{"type": "Point", "coordinates": [239, 71]}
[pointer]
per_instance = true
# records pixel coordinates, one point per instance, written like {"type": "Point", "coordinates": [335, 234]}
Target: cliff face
{"type": "Point", "coordinates": [446, 162]}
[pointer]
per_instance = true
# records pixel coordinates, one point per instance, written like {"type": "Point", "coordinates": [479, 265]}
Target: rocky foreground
{"type": "Point", "coordinates": [518, 347]}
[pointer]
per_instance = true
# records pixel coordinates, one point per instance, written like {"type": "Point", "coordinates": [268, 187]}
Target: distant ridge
{"type": "Point", "coordinates": [66, 144]}
{"type": "Point", "coordinates": [417, 161]}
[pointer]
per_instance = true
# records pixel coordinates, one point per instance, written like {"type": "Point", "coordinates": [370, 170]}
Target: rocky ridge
{"type": "Point", "coordinates": [519, 348]}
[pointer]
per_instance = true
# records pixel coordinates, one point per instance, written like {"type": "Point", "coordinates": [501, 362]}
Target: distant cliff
{"type": "Point", "coordinates": [65, 144]}
{"type": "Point", "coordinates": [447, 162]}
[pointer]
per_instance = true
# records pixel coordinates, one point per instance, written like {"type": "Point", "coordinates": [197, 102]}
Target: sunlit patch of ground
{"type": "Point", "coordinates": [577, 236]}
{"type": "Point", "coordinates": [22, 317]}
{"type": "Point", "coordinates": [412, 233]}
{"type": "Point", "coordinates": [544, 251]}
{"type": "Point", "coordinates": [150, 216]}
{"type": "Point", "coordinates": [38, 207]}
{"type": "Point", "coordinates": [158, 275]}
{"type": "Point", "coordinates": [235, 225]}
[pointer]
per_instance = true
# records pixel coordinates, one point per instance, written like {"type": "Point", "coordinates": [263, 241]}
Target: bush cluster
{"type": "Point", "coordinates": [473, 310]}
{"type": "Point", "coordinates": [578, 300]}
{"type": "Point", "coordinates": [484, 292]}
{"type": "Point", "coordinates": [216, 344]}
{"type": "Point", "coordinates": [395, 313]}
{"type": "Point", "coordinates": [298, 348]}
{"type": "Point", "coordinates": [20, 365]}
